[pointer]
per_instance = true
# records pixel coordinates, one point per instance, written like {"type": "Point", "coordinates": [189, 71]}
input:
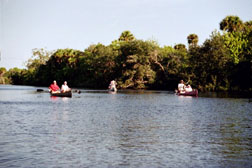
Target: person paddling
{"type": "Point", "coordinates": [65, 88]}
{"type": "Point", "coordinates": [112, 86]}
{"type": "Point", "coordinates": [54, 88]}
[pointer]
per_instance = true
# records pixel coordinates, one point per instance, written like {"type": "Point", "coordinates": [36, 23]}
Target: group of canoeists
{"type": "Point", "coordinates": [54, 88]}
{"type": "Point", "coordinates": [183, 88]}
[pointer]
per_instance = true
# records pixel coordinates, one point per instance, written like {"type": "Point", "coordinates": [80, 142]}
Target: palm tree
{"type": "Point", "coordinates": [126, 36]}
{"type": "Point", "coordinates": [231, 24]}
{"type": "Point", "coordinates": [193, 40]}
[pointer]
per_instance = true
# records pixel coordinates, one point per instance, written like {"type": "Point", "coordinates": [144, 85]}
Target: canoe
{"type": "Point", "coordinates": [192, 93]}
{"type": "Point", "coordinates": [65, 94]}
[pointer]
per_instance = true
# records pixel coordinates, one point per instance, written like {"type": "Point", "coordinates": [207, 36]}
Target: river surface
{"type": "Point", "coordinates": [144, 129]}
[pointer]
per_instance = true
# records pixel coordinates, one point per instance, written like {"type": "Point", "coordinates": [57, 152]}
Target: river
{"type": "Point", "coordinates": [135, 129]}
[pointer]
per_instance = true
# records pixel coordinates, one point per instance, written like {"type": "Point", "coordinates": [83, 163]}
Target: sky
{"type": "Point", "coordinates": [76, 24]}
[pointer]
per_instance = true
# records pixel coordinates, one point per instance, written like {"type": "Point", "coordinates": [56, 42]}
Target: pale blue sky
{"type": "Point", "coordinates": [54, 24]}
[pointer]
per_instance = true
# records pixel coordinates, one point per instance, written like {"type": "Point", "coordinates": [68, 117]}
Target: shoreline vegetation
{"type": "Point", "coordinates": [222, 63]}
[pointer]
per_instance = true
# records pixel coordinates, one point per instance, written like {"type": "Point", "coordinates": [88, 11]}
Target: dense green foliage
{"type": "Point", "coordinates": [3, 76]}
{"type": "Point", "coordinates": [222, 62]}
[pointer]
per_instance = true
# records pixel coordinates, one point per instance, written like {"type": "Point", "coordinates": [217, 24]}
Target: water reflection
{"type": "Point", "coordinates": [111, 92]}
{"type": "Point", "coordinates": [226, 94]}
{"type": "Point", "coordinates": [54, 98]}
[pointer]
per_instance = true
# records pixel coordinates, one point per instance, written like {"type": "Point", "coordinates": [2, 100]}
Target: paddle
{"type": "Point", "coordinates": [42, 90]}
{"type": "Point", "coordinates": [77, 91]}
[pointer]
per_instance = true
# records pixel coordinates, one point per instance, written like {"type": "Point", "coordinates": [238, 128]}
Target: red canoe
{"type": "Point", "coordinates": [65, 94]}
{"type": "Point", "coordinates": [192, 93]}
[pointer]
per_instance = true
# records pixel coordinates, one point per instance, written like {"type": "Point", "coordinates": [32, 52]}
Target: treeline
{"type": "Point", "coordinates": [222, 62]}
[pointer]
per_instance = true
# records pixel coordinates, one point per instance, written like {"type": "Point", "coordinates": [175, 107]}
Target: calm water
{"type": "Point", "coordinates": [127, 129]}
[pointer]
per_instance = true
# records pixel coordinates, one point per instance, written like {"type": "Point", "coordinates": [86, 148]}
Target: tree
{"type": "Point", "coordinates": [209, 64]}
{"type": "Point", "coordinates": [235, 42]}
{"type": "Point", "coordinates": [192, 40]}
{"type": "Point", "coordinates": [180, 47]}
{"type": "Point", "coordinates": [170, 65]}
{"type": "Point", "coordinates": [126, 36]}
{"type": "Point", "coordinates": [231, 24]}
{"type": "Point", "coordinates": [248, 48]}
{"type": "Point", "coordinates": [2, 72]}
{"type": "Point", "coordinates": [98, 64]}
{"type": "Point", "coordinates": [241, 78]}
{"type": "Point", "coordinates": [39, 57]}
{"type": "Point", "coordinates": [134, 65]}
{"type": "Point", "coordinates": [16, 76]}
{"type": "Point", "coordinates": [224, 61]}
{"type": "Point", "coordinates": [248, 26]}
{"type": "Point", "coordinates": [61, 66]}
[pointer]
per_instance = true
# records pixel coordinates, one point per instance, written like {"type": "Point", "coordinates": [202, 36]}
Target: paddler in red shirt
{"type": "Point", "coordinates": [54, 88]}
